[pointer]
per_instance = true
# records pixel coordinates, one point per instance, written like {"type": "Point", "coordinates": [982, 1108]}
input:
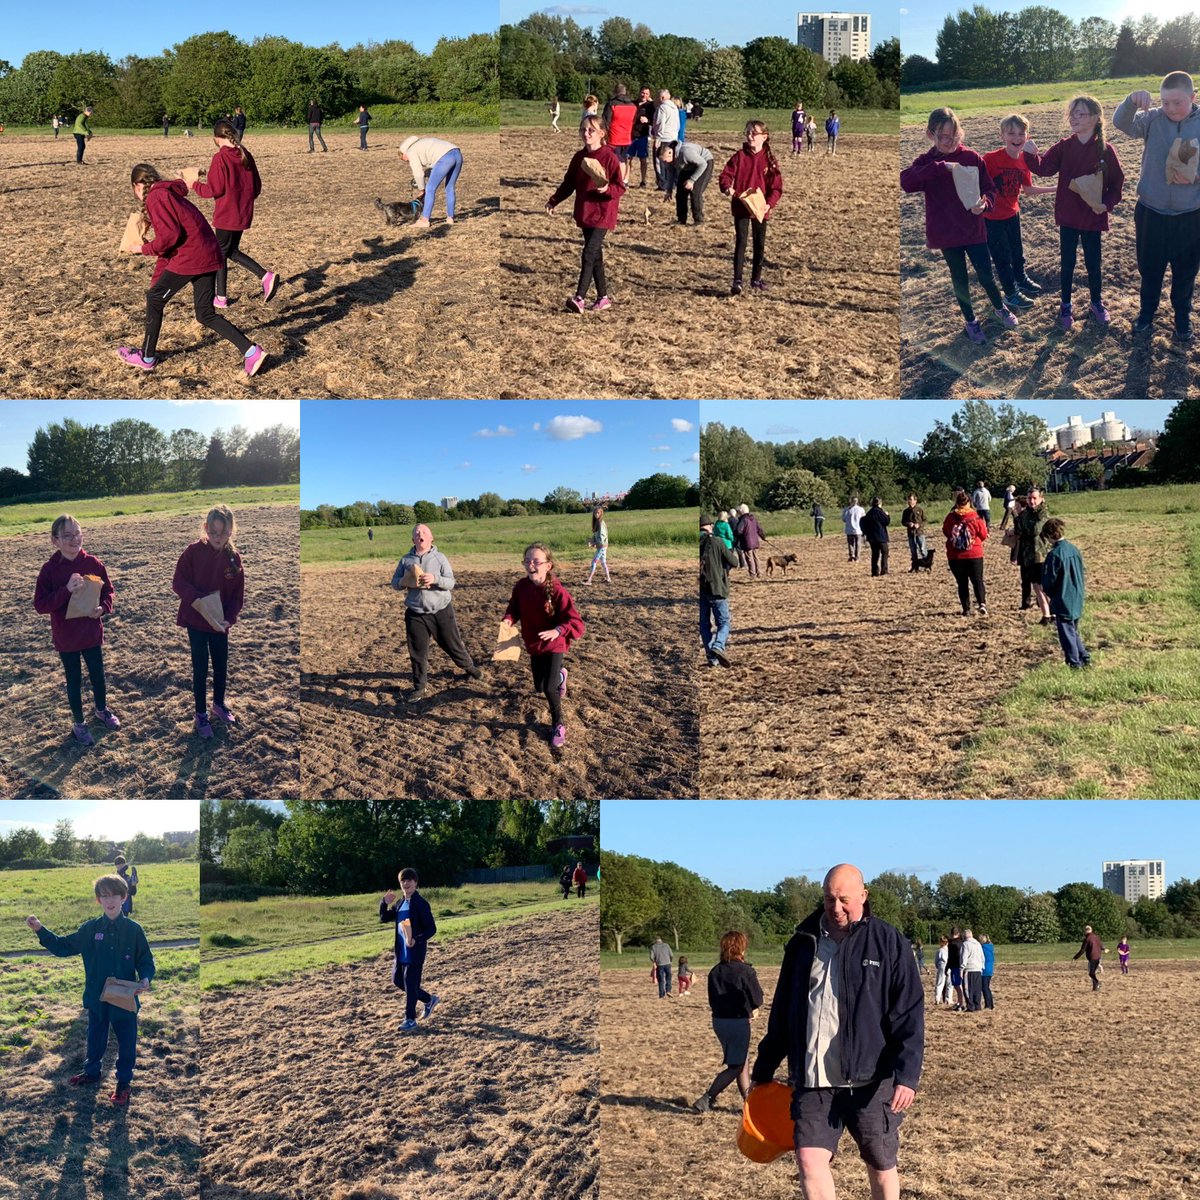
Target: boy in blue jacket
{"type": "Point", "coordinates": [1063, 583]}
{"type": "Point", "coordinates": [414, 927]}
{"type": "Point", "coordinates": [110, 945]}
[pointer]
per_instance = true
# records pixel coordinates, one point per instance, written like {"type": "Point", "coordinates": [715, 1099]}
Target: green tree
{"type": "Point", "coordinates": [425, 511]}
{"type": "Point", "coordinates": [886, 905]}
{"type": "Point", "coordinates": [1182, 899]}
{"type": "Point", "coordinates": [144, 848]}
{"type": "Point", "coordinates": [982, 441]}
{"type": "Point", "coordinates": [186, 454]}
{"type": "Point", "coordinates": [1047, 41]}
{"type": "Point", "coordinates": [563, 500]}
{"type": "Point", "coordinates": [950, 893]}
{"type": "Point", "coordinates": [1096, 38]}
{"type": "Point", "coordinates": [208, 78]}
{"type": "Point", "coordinates": [137, 100]}
{"type": "Point", "coordinates": [658, 491]}
{"type": "Point", "coordinates": [135, 457]}
{"type": "Point", "coordinates": [718, 80]}
{"type": "Point", "coordinates": [991, 909]}
{"type": "Point", "coordinates": [858, 83]}
{"type": "Point", "coordinates": [666, 61]}
{"type": "Point", "coordinates": [467, 68]}
{"type": "Point", "coordinates": [25, 842]}
{"type": "Point", "coordinates": [778, 73]}
{"type": "Point", "coordinates": [1152, 917]}
{"type": "Point", "coordinates": [1036, 921]}
{"type": "Point", "coordinates": [733, 467]}
{"type": "Point", "coordinates": [87, 77]}
{"type": "Point", "coordinates": [1177, 459]}
{"type": "Point", "coordinates": [1081, 904]}
{"type": "Point", "coordinates": [1127, 54]}
{"type": "Point", "coordinates": [250, 853]}
{"type": "Point", "coordinates": [796, 489]}
{"type": "Point", "coordinates": [885, 58]}
{"type": "Point", "coordinates": [63, 844]}
{"type": "Point", "coordinates": [685, 905]}
{"type": "Point", "coordinates": [25, 92]}
{"type": "Point", "coordinates": [628, 899]}
{"type": "Point", "coordinates": [526, 65]}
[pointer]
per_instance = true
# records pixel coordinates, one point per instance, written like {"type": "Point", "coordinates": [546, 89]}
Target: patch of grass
{"type": "Point", "coordinates": [973, 102]}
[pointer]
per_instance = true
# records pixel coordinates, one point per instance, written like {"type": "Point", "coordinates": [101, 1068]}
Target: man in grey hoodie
{"type": "Point", "coordinates": [660, 956]}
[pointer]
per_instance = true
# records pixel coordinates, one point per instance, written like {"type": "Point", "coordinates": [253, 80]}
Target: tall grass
{"type": "Point", "coordinates": [974, 102]}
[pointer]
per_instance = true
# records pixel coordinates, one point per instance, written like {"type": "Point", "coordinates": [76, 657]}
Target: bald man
{"type": "Point", "coordinates": [849, 1015]}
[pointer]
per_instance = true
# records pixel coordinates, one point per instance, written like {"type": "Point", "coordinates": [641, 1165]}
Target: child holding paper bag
{"type": "Point", "coordinates": [74, 589]}
{"type": "Point", "coordinates": [210, 584]}
{"type": "Point", "coordinates": [414, 927]}
{"type": "Point", "coordinates": [754, 184]}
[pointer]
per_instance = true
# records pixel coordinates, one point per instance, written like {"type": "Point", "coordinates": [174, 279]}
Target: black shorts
{"type": "Point", "coordinates": [1031, 573]}
{"type": "Point", "coordinates": [821, 1114]}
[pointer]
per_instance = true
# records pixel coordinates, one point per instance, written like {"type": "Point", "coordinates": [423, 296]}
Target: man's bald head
{"type": "Point", "coordinates": [422, 537]}
{"type": "Point", "coordinates": [845, 898]}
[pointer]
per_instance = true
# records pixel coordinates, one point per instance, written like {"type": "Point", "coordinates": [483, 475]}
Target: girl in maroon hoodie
{"type": "Point", "coordinates": [79, 637]}
{"type": "Point", "coordinates": [187, 252]}
{"type": "Point", "coordinates": [549, 624]}
{"type": "Point", "coordinates": [753, 166]}
{"type": "Point", "coordinates": [233, 181]}
{"type": "Point", "coordinates": [959, 233]}
{"type": "Point", "coordinates": [211, 564]}
{"type": "Point", "coordinates": [596, 206]}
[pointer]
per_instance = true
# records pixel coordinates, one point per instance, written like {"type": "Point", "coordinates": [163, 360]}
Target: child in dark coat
{"type": "Point", "coordinates": [414, 927]}
{"type": "Point", "coordinates": [1063, 583]}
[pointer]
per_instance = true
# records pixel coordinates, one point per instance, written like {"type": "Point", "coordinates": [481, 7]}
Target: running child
{"type": "Point", "coordinates": [599, 542]}
{"type": "Point", "coordinates": [684, 975]}
{"type": "Point", "coordinates": [1085, 153]}
{"type": "Point", "coordinates": [956, 231]}
{"type": "Point", "coordinates": [549, 624]}
{"type": "Point", "coordinates": [414, 927]}
{"type": "Point", "coordinates": [233, 181]}
{"type": "Point", "coordinates": [210, 565]}
{"type": "Point", "coordinates": [596, 207]}
{"type": "Point", "coordinates": [110, 945]}
{"type": "Point", "coordinates": [799, 120]}
{"type": "Point", "coordinates": [833, 124]}
{"type": "Point", "coordinates": [753, 166]}
{"type": "Point", "coordinates": [1123, 954]}
{"type": "Point", "coordinates": [76, 637]}
{"type": "Point", "coordinates": [187, 252]}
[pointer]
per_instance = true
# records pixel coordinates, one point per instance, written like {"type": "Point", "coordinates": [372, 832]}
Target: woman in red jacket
{"type": "Point", "coordinates": [549, 624]}
{"type": "Point", "coordinates": [187, 252]}
{"type": "Point", "coordinates": [753, 166]}
{"type": "Point", "coordinates": [965, 533]}
{"type": "Point", "coordinates": [233, 181]}
{"type": "Point", "coordinates": [596, 206]}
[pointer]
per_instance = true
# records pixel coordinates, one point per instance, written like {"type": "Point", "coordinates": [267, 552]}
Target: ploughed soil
{"type": "Point", "coordinates": [1033, 1099]}
{"type": "Point", "coordinates": [846, 686]}
{"type": "Point", "coordinates": [1037, 359]}
{"type": "Point", "coordinates": [493, 1099]}
{"type": "Point", "coordinates": [147, 665]}
{"type": "Point", "coordinates": [364, 309]}
{"type": "Point", "coordinates": [827, 326]}
{"type": "Point", "coordinates": [630, 710]}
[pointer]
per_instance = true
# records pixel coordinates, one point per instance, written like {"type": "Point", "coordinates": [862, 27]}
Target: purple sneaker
{"type": "Point", "coordinates": [558, 737]}
{"type": "Point", "coordinates": [1098, 313]}
{"type": "Point", "coordinates": [575, 304]}
{"type": "Point", "coordinates": [134, 358]}
{"type": "Point", "coordinates": [81, 735]}
{"type": "Point", "coordinates": [759, 285]}
{"type": "Point", "coordinates": [220, 302]}
{"type": "Point", "coordinates": [203, 725]}
{"type": "Point", "coordinates": [1006, 318]}
{"type": "Point", "coordinates": [254, 360]}
{"type": "Point", "coordinates": [223, 714]}
{"type": "Point", "coordinates": [270, 285]}
{"type": "Point", "coordinates": [106, 716]}
{"type": "Point", "coordinates": [600, 305]}
{"type": "Point", "coordinates": [562, 683]}
{"type": "Point", "coordinates": [974, 332]}
{"type": "Point", "coordinates": [1065, 317]}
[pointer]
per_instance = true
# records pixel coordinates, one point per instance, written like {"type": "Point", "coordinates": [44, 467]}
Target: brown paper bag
{"type": "Point", "coordinates": [508, 643]}
{"type": "Point", "coordinates": [966, 184]}
{"type": "Point", "coordinates": [1182, 160]}
{"type": "Point", "coordinates": [120, 993]}
{"type": "Point", "coordinates": [211, 609]}
{"type": "Point", "coordinates": [84, 599]}
{"type": "Point", "coordinates": [412, 576]}
{"type": "Point", "coordinates": [595, 170]}
{"type": "Point", "coordinates": [406, 929]}
{"type": "Point", "coordinates": [191, 175]}
{"type": "Point", "coordinates": [137, 233]}
{"type": "Point", "coordinates": [1090, 189]}
{"type": "Point", "coordinates": [756, 202]}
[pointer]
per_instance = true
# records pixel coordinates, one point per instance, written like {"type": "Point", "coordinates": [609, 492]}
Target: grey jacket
{"type": "Point", "coordinates": [1159, 133]}
{"type": "Point", "coordinates": [660, 954]}
{"type": "Point", "coordinates": [435, 597]}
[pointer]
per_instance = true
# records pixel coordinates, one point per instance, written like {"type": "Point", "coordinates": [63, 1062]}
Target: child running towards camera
{"type": "Point", "coordinates": [234, 183]}
{"type": "Point", "coordinates": [753, 167]}
{"type": "Point", "coordinates": [549, 624]}
{"type": "Point", "coordinates": [599, 543]}
{"type": "Point", "coordinates": [956, 231]}
{"type": "Point", "coordinates": [210, 570]}
{"type": "Point", "coordinates": [80, 636]}
{"type": "Point", "coordinates": [1085, 153]}
{"type": "Point", "coordinates": [596, 208]}
{"type": "Point", "coordinates": [414, 927]}
{"type": "Point", "coordinates": [187, 252]}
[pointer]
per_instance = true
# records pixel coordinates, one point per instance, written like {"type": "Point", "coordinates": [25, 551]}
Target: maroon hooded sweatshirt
{"type": "Point", "coordinates": [234, 187]}
{"type": "Point", "coordinates": [202, 570]}
{"type": "Point", "coordinates": [947, 224]}
{"type": "Point", "coordinates": [746, 171]}
{"type": "Point", "coordinates": [593, 209]}
{"type": "Point", "coordinates": [183, 240]}
{"type": "Point", "coordinates": [51, 596]}
{"type": "Point", "coordinates": [528, 606]}
{"type": "Point", "coordinates": [1070, 159]}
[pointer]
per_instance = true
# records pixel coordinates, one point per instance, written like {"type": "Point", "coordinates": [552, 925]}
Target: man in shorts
{"type": "Point", "coordinates": [849, 1016]}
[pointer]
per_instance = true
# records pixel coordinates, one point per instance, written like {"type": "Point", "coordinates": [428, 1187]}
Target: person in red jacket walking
{"type": "Point", "coordinates": [579, 878]}
{"type": "Point", "coordinates": [965, 532]}
{"type": "Point", "coordinates": [211, 565]}
{"type": "Point", "coordinates": [234, 183]}
{"type": "Point", "coordinates": [549, 624]}
{"type": "Point", "coordinates": [187, 252]}
{"type": "Point", "coordinates": [753, 166]}
{"type": "Point", "coordinates": [81, 636]}
{"type": "Point", "coordinates": [596, 207]}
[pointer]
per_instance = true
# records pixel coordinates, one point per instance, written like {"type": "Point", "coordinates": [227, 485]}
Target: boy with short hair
{"type": "Point", "coordinates": [1167, 216]}
{"type": "Point", "coordinates": [1063, 584]}
{"type": "Point", "coordinates": [110, 945]}
{"type": "Point", "coordinates": [414, 927]}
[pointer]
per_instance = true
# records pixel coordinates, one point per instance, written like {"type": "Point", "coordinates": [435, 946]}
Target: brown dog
{"type": "Point", "coordinates": [782, 561]}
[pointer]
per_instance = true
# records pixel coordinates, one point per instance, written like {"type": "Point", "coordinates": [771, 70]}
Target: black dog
{"type": "Point", "coordinates": [782, 561]}
{"type": "Point", "coordinates": [397, 214]}
{"type": "Point", "coordinates": [924, 564]}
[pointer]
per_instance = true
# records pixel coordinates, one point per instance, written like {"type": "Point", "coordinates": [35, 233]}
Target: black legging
{"type": "Point", "coordinates": [1068, 241]}
{"type": "Point", "coordinates": [546, 670]}
{"type": "Point", "coordinates": [206, 643]}
{"type": "Point", "coordinates": [80, 141]}
{"type": "Point", "coordinates": [744, 227]}
{"type": "Point", "coordinates": [969, 574]}
{"type": "Point", "coordinates": [94, 657]}
{"type": "Point", "coordinates": [981, 259]}
{"type": "Point", "coordinates": [591, 267]}
{"type": "Point", "coordinates": [202, 297]}
{"type": "Point", "coordinates": [230, 240]}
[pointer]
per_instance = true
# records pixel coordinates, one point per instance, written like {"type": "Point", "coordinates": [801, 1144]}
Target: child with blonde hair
{"type": "Point", "coordinates": [599, 543]}
{"type": "Point", "coordinates": [753, 167]}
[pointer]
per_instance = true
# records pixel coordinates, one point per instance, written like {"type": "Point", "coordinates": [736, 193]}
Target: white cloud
{"type": "Point", "coordinates": [680, 425]}
{"type": "Point", "coordinates": [574, 10]}
{"type": "Point", "coordinates": [570, 429]}
{"type": "Point", "coordinates": [499, 431]}
{"type": "Point", "coordinates": [666, 466]}
{"type": "Point", "coordinates": [528, 468]}
{"type": "Point", "coordinates": [537, 426]}
{"type": "Point", "coordinates": [782, 430]}
{"type": "Point", "coordinates": [904, 12]}
{"type": "Point", "coordinates": [693, 457]}
{"type": "Point", "coordinates": [463, 466]}
{"type": "Point", "coordinates": [660, 449]}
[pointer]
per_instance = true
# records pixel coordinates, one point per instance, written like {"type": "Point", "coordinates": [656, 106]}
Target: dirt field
{"type": "Point", "coordinates": [364, 309]}
{"type": "Point", "coordinates": [826, 327]}
{"type": "Point", "coordinates": [846, 686]}
{"type": "Point", "coordinates": [1034, 1099]}
{"type": "Point", "coordinates": [494, 1100]}
{"type": "Point", "coordinates": [1038, 359]}
{"type": "Point", "coordinates": [630, 712]}
{"type": "Point", "coordinates": [155, 753]}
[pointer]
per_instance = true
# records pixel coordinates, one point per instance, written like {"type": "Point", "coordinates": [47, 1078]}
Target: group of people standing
{"type": "Point", "coordinates": [963, 970]}
{"type": "Point", "coordinates": [733, 540]}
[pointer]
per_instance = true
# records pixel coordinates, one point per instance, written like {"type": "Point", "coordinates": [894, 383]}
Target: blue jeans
{"type": "Point", "coordinates": [124, 1025]}
{"type": "Point", "coordinates": [664, 981]}
{"type": "Point", "coordinates": [712, 607]}
{"type": "Point", "coordinates": [916, 546]}
{"type": "Point", "coordinates": [446, 168]}
{"type": "Point", "coordinates": [362, 137]}
{"type": "Point", "coordinates": [315, 129]}
{"type": "Point", "coordinates": [1073, 648]}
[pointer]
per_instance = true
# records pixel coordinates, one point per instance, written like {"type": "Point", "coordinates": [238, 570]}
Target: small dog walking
{"type": "Point", "coordinates": [397, 214]}
{"type": "Point", "coordinates": [782, 561]}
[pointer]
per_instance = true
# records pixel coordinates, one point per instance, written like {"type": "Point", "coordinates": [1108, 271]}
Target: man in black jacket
{"type": "Point", "coordinates": [315, 118]}
{"type": "Point", "coordinates": [414, 927]}
{"type": "Point", "coordinates": [849, 1016]}
{"type": "Point", "coordinates": [715, 560]}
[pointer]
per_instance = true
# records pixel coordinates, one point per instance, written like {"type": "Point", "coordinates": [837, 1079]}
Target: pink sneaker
{"type": "Point", "coordinates": [106, 716]}
{"type": "Point", "coordinates": [600, 305]}
{"type": "Point", "coordinates": [270, 285]}
{"type": "Point", "coordinates": [81, 735]}
{"type": "Point", "coordinates": [558, 737]}
{"type": "Point", "coordinates": [575, 304]}
{"type": "Point", "coordinates": [134, 358]}
{"type": "Point", "coordinates": [254, 360]}
{"type": "Point", "coordinates": [220, 302]}
{"type": "Point", "coordinates": [203, 725]}
{"type": "Point", "coordinates": [223, 714]}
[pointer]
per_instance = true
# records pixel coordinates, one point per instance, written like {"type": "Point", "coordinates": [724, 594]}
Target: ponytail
{"type": "Point", "coordinates": [144, 173]}
{"type": "Point", "coordinates": [225, 128]}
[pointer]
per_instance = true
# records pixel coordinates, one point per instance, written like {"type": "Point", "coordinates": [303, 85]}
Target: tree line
{"type": "Point", "coordinates": [643, 898]}
{"type": "Point", "coordinates": [274, 79]}
{"type": "Point", "coordinates": [546, 55]}
{"type": "Point", "coordinates": [26, 849]}
{"type": "Point", "coordinates": [128, 457]}
{"type": "Point", "coordinates": [1038, 44]}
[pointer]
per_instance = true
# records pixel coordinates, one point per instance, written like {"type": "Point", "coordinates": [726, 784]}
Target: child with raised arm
{"type": "Point", "coordinates": [111, 945]}
{"type": "Point", "coordinates": [414, 927]}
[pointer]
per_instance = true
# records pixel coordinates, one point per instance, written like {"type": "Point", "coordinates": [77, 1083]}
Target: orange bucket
{"type": "Point", "coordinates": [767, 1130]}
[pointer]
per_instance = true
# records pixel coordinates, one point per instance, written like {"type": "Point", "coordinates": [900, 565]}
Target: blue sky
{"type": "Point", "coordinates": [898, 422]}
{"type": "Point", "coordinates": [1040, 844]}
{"type": "Point", "coordinates": [409, 450]}
{"type": "Point", "coordinates": [115, 819]}
{"type": "Point", "coordinates": [21, 419]}
{"type": "Point", "coordinates": [121, 27]}
{"type": "Point", "coordinates": [729, 24]}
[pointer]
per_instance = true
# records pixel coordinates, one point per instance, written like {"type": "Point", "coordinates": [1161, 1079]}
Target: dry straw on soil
{"type": "Point", "coordinates": [631, 710]}
{"type": "Point", "coordinates": [1058, 1093]}
{"type": "Point", "coordinates": [364, 309]}
{"type": "Point", "coordinates": [155, 753]}
{"type": "Point", "coordinates": [494, 1100]}
{"type": "Point", "coordinates": [1038, 358]}
{"type": "Point", "coordinates": [827, 326]}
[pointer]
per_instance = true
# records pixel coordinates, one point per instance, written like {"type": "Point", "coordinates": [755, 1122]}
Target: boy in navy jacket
{"type": "Point", "coordinates": [414, 927]}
